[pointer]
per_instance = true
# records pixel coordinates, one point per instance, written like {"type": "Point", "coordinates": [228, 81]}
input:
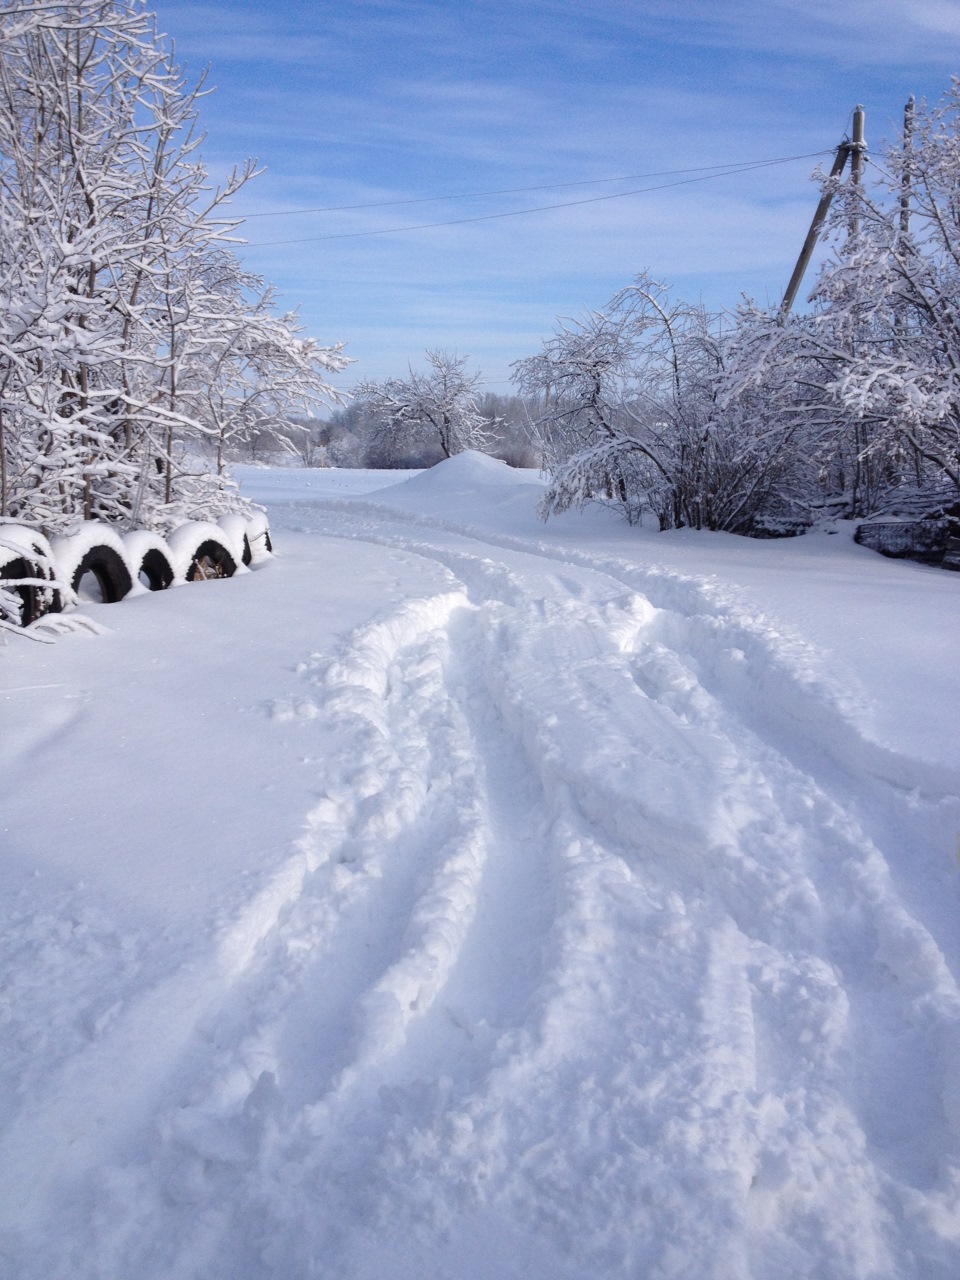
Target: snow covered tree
{"type": "Point", "coordinates": [867, 384]}
{"type": "Point", "coordinates": [895, 287]}
{"type": "Point", "coordinates": [118, 291]}
{"type": "Point", "coordinates": [237, 368]}
{"type": "Point", "coordinates": [436, 407]}
{"type": "Point", "coordinates": [583, 378]}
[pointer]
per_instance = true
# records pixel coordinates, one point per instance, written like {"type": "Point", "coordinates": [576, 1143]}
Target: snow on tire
{"type": "Point", "coordinates": [258, 532]}
{"type": "Point", "coordinates": [150, 560]}
{"type": "Point", "coordinates": [94, 551]}
{"type": "Point", "coordinates": [234, 527]}
{"type": "Point", "coordinates": [28, 586]}
{"type": "Point", "coordinates": [199, 551]}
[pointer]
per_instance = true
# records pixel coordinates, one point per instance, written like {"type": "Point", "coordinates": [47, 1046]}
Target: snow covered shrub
{"type": "Point", "coordinates": [129, 333]}
{"type": "Point", "coordinates": [851, 409]}
{"type": "Point", "coordinates": [631, 415]}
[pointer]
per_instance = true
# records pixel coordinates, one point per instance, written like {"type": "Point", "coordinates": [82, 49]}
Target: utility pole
{"type": "Point", "coordinates": [854, 147]}
{"type": "Point", "coordinates": [813, 235]}
{"type": "Point", "coordinates": [861, 466]}
{"type": "Point", "coordinates": [906, 175]}
{"type": "Point", "coordinates": [906, 185]}
{"type": "Point", "coordinates": [857, 151]}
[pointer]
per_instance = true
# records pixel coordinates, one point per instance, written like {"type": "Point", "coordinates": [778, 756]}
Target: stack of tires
{"type": "Point", "coordinates": [96, 563]}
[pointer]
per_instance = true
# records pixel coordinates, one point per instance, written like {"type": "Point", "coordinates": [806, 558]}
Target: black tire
{"type": "Point", "coordinates": [211, 560]}
{"type": "Point", "coordinates": [258, 535]}
{"type": "Point", "coordinates": [34, 601]}
{"type": "Point", "coordinates": [156, 568]}
{"type": "Point", "coordinates": [107, 566]}
{"type": "Point", "coordinates": [247, 553]}
{"type": "Point", "coordinates": [23, 568]}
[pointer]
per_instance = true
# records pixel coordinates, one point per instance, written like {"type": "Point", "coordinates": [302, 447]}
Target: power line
{"type": "Point", "coordinates": [544, 208]}
{"type": "Point", "coordinates": [512, 191]}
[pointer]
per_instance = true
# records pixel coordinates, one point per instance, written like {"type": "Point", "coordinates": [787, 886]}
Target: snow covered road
{"type": "Point", "coordinates": [459, 897]}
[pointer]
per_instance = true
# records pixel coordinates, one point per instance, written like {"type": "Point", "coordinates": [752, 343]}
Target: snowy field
{"type": "Point", "coordinates": [458, 897]}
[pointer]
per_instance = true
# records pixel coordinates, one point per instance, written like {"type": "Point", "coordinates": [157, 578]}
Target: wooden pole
{"type": "Point", "coordinates": [906, 175]}
{"type": "Point", "coordinates": [857, 151]}
{"type": "Point", "coordinates": [861, 467]}
{"type": "Point", "coordinates": [906, 183]}
{"type": "Point", "coordinates": [813, 235]}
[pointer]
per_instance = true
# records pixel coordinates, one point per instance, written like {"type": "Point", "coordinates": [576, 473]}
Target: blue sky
{"type": "Point", "coordinates": [365, 102]}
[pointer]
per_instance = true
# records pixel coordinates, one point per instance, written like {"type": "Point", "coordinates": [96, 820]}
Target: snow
{"type": "Point", "coordinates": [455, 895]}
{"type": "Point", "coordinates": [70, 548]}
{"type": "Point", "coordinates": [138, 544]}
{"type": "Point", "coordinates": [184, 542]}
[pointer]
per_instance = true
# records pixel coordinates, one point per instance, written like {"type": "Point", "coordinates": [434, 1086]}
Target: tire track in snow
{"type": "Point", "coordinates": [774, 685]}
{"type": "Point", "coordinates": [407, 1066]}
{"type": "Point", "coordinates": [669, 1086]}
{"type": "Point", "coordinates": [669, 792]}
{"type": "Point", "coordinates": [404, 1065]}
{"type": "Point", "coordinates": [396, 851]}
{"type": "Point", "coordinates": [644, 808]}
{"type": "Point", "coordinates": [349, 1147]}
{"type": "Point", "coordinates": [82, 1121]}
{"type": "Point", "coordinates": [846, 911]}
{"type": "Point", "coordinates": [783, 670]}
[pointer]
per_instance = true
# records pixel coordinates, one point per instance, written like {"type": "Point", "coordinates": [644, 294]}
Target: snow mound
{"type": "Point", "coordinates": [464, 472]}
{"type": "Point", "coordinates": [469, 487]}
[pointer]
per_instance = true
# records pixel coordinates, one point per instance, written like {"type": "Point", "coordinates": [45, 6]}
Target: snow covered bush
{"type": "Point", "coordinates": [129, 333]}
{"type": "Point", "coordinates": [630, 413]}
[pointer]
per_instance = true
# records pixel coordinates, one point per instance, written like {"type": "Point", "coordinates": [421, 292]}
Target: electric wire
{"type": "Point", "coordinates": [512, 191]}
{"type": "Point", "coordinates": [546, 208]}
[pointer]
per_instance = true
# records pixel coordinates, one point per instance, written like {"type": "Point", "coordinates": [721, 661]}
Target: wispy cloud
{"type": "Point", "coordinates": [378, 100]}
{"type": "Point", "coordinates": [837, 31]}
